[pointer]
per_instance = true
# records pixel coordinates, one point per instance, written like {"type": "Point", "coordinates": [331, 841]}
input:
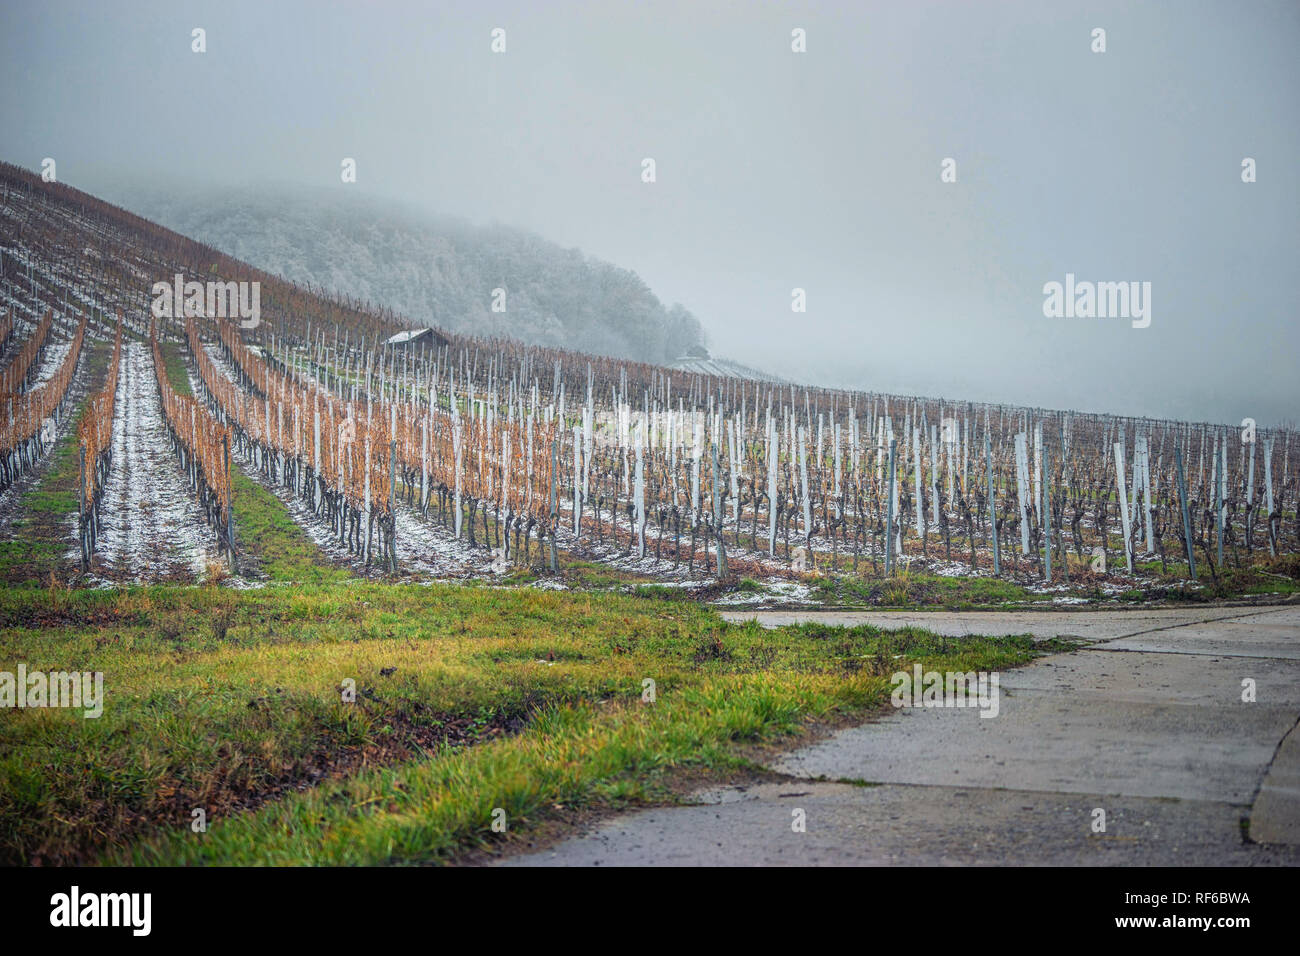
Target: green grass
{"type": "Point", "coordinates": [517, 699]}
{"type": "Point", "coordinates": [177, 373]}
{"type": "Point", "coordinates": [28, 561]}
{"type": "Point", "coordinates": [282, 549]}
{"type": "Point", "coordinates": [1259, 575]}
{"type": "Point", "coordinates": [660, 592]}
{"type": "Point", "coordinates": [582, 575]}
{"type": "Point", "coordinates": [44, 506]}
{"type": "Point", "coordinates": [921, 590]}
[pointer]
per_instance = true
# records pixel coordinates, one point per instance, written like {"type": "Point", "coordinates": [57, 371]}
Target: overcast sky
{"type": "Point", "coordinates": [775, 169]}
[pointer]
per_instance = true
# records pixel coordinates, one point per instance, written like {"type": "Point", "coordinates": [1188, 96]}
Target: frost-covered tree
{"type": "Point", "coordinates": [438, 271]}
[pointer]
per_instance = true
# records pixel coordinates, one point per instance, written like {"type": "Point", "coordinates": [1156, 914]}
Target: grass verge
{"type": "Point", "coordinates": [467, 700]}
{"type": "Point", "coordinates": [911, 589]}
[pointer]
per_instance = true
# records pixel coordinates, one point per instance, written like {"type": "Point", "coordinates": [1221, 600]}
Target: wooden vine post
{"type": "Point", "coordinates": [230, 506]}
{"type": "Point", "coordinates": [1045, 497]}
{"type": "Point", "coordinates": [81, 513]}
{"type": "Point", "coordinates": [992, 503]}
{"type": "Point", "coordinates": [889, 511]}
{"type": "Point", "coordinates": [1187, 521]}
{"type": "Point", "coordinates": [392, 505]}
{"type": "Point", "coordinates": [555, 511]}
{"type": "Point", "coordinates": [717, 516]}
{"type": "Point", "coordinates": [1123, 505]}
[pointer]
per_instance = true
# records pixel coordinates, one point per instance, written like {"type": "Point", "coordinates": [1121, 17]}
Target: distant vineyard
{"type": "Point", "coordinates": [496, 444]}
{"type": "Point", "coordinates": [767, 470]}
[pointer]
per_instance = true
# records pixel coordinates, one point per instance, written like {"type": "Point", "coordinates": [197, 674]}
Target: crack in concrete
{"type": "Point", "coordinates": [1174, 627]}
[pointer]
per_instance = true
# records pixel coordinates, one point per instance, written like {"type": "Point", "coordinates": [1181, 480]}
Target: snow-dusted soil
{"type": "Point", "coordinates": [56, 350]}
{"type": "Point", "coordinates": [426, 548]}
{"type": "Point", "coordinates": [777, 592]}
{"type": "Point", "coordinates": [152, 527]}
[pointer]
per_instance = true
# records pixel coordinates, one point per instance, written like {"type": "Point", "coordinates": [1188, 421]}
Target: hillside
{"type": "Point", "coordinates": [437, 271]}
{"type": "Point", "coordinates": [720, 368]}
{"type": "Point", "coordinates": [655, 470]}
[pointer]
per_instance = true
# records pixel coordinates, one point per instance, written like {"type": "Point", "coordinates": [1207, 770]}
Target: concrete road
{"type": "Point", "coordinates": [1145, 724]}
